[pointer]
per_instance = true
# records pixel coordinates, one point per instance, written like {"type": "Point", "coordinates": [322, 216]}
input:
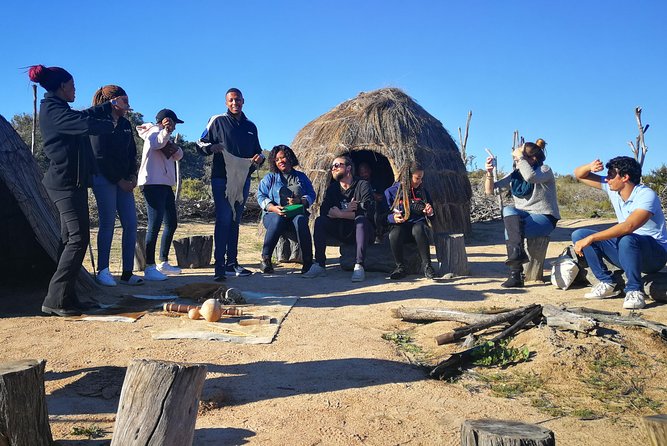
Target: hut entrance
{"type": "Point", "coordinates": [382, 175]}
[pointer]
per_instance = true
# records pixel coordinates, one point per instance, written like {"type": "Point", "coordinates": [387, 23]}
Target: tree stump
{"type": "Point", "coordinates": [158, 404]}
{"type": "Point", "coordinates": [504, 433]}
{"type": "Point", "coordinates": [288, 249]}
{"type": "Point", "coordinates": [24, 419]}
{"type": "Point", "coordinates": [194, 252]}
{"type": "Point", "coordinates": [379, 258]}
{"type": "Point", "coordinates": [140, 251]}
{"type": "Point", "coordinates": [656, 429]}
{"type": "Point", "coordinates": [536, 248]}
{"type": "Point", "coordinates": [655, 286]}
{"type": "Point", "coordinates": [450, 250]}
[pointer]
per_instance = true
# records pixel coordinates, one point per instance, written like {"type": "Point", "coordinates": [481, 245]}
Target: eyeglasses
{"type": "Point", "coordinates": [611, 174]}
{"type": "Point", "coordinates": [335, 166]}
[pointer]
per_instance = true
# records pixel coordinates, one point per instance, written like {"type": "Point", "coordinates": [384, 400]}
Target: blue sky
{"type": "Point", "coordinates": [570, 72]}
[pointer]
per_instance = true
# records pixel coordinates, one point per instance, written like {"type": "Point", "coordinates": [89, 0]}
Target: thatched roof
{"type": "Point", "coordinates": [22, 178]}
{"type": "Point", "coordinates": [389, 123]}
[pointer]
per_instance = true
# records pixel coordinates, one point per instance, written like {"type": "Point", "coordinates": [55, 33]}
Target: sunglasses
{"type": "Point", "coordinates": [335, 166]}
{"type": "Point", "coordinates": [611, 174]}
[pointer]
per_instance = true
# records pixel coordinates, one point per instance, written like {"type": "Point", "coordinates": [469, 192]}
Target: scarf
{"type": "Point", "coordinates": [520, 187]}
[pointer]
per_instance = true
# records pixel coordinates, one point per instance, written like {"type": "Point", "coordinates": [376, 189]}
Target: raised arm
{"type": "Point", "coordinates": [586, 174]}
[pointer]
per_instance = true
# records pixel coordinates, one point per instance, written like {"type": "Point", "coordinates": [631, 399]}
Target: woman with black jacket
{"type": "Point", "coordinates": [116, 155]}
{"type": "Point", "coordinates": [71, 165]}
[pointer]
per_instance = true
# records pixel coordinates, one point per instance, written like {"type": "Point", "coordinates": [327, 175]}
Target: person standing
{"type": "Point", "coordinates": [113, 187]}
{"type": "Point", "coordinates": [346, 214]}
{"type": "Point", "coordinates": [65, 133]}
{"type": "Point", "coordinates": [157, 176]}
{"type": "Point", "coordinates": [535, 211]}
{"type": "Point", "coordinates": [640, 233]}
{"type": "Point", "coordinates": [232, 140]}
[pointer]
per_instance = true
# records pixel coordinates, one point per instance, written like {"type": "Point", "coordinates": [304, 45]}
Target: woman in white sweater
{"type": "Point", "coordinates": [157, 176]}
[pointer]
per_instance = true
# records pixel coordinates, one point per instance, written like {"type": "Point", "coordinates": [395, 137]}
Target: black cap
{"type": "Point", "coordinates": [166, 113]}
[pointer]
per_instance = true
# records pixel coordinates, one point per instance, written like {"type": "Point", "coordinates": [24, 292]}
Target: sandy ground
{"type": "Point", "coordinates": [330, 377]}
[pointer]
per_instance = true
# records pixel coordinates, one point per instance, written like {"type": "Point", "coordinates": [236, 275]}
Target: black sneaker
{"type": "Point", "coordinates": [428, 272]}
{"type": "Point", "coordinates": [237, 270]}
{"type": "Point", "coordinates": [265, 266]}
{"type": "Point", "coordinates": [398, 273]}
{"type": "Point", "coordinates": [62, 312]}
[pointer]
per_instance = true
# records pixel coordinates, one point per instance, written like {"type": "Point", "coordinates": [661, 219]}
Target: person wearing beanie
{"type": "Point", "coordinates": [113, 187]}
{"type": "Point", "coordinates": [65, 133]}
{"type": "Point", "coordinates": [535, 211]}
{"type": "Point", "coordinates": [157, 175]}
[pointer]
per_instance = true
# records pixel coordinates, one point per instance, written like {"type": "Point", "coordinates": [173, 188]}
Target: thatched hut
{"type": "Point", "coordinates": [29, 222]}
{"type": "Point", "coordinates": [388, 129]}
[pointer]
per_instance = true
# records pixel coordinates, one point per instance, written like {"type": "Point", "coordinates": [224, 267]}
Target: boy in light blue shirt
{"type": "Point", "coordinates": [636, 244]}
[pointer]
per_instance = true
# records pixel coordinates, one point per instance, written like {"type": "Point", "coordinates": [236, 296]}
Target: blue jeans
{"type": "Point", "coordinates": [534, 225]}
{"type": "Point", "coordinates": [276, 226]}
{"type": "Point", "coordinates": [111, 198]}
{"type": "Point", "coordinates": [641, 253]}
{"type": "Point", "coordinates": [226, 234]}
{"type": "Point", "coordinates": [160, 205]}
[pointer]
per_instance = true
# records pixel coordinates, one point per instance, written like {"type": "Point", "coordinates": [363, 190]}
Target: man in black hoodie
{"type": "Point", "coordinates": [346, 214]}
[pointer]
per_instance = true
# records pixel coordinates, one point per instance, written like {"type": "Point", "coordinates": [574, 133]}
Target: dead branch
{"type": "Point", "coordinates": [640, 137]}
{"type": "Point", "coordinates": [630, 321]}
{"type": "Point", "coordinates": [438, 314]}
{"type": "Point", "coordinates": [562, 319]}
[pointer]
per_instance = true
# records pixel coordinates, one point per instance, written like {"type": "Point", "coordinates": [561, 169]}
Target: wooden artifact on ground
{"type": "Point", "coordinates": [450, 250]}
{"type": "Point", "coordinates": [656, 429]}
{"type": "Point", "coordinates": [158, 403]}
{"type": "Point", "coordinates": [462, 332]}
{"type": "Point", "coordinates": [140, 250]}
{"type": "Point", "coordinates": [629, 321]}
{"type": "Point", "coordinates": [562, 319]}
{"type": "Point", "coordinates": [504, 433]}
{"type": "Point", "coordinates": [439, 314]}
{"type": "Point", "coordinates": [194, 252]}
{"type": "Point", "coordinates": [536, 248]}
{"type": "Point", "coordinates": [24, 419]}
{"type": "Point", "coordinates": [180, 308]}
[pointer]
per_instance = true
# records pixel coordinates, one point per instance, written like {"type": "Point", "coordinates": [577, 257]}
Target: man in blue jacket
{"type": "Point", "coordinates": [232, 140]}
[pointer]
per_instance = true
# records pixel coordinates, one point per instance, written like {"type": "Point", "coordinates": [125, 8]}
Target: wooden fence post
{"type": "Point", "coordinates": [140, 251]}
{"type": "Point", "coordinates": [158, 404]}
{"type": "Point", "coordinates": [536, 248]}
{"type": "Point", "coordinates": [450, 249]}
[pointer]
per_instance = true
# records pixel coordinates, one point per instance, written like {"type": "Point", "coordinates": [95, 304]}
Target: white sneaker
{"type": "Point", "coordinates": [602, 290]}
{"type": "Point", "coordinates": [105, 278]}
{"type": "Point", "coordinates": [315, 271]}
{"type": "Point", "coordinates": [358, 275]}
{"type": "Point", "coordinates": [167, 269]}
{"type": "Point", "coordinates": [151, 273]}
{"type": "Point", "coordinates": [634, 300]}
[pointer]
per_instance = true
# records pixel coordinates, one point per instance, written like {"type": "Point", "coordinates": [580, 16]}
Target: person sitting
{"type": "Point", "coordinates": [346, 214]}
{"type": "Point", "coordinates": [640, 233]}
{"type": "Point", "coordinates": [281, 187]}
{"type": "Point", "coordinates": [411, 210]}
{"type": "Point", "coordinates": [535, 211]}
{"type": "Point", "coordinates": [365, 172]}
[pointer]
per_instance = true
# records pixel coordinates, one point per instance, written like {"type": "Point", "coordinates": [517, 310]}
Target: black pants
{"type": "Point", "coordinates": [405, 232]}
{"type": "Point", "coordinates": [359, 231]}
{"type": "Point", "coordinates": [75, 236]}
{"type": "Point", "coordinates": [160, 206]}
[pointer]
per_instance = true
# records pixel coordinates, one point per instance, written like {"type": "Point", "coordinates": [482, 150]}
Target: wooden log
{"type": "Point", "coordinates": [158, 404]}
{"type": "Point", "coordinates": [533, 315]}
{"type": "Point", "coordinates": [194, 251]}
{"type": "Point", "coordinates": [462, 332]}
{"type": "Point", "coordinates": [656, 429]}
{"type": "Point", "coordinates": [655, 286]}
{"type": "Point", "coordinates": [629, 321]}
{"type": "Point", "coordinates": [504, 433]}
{"type": "Point", "coordinates": [450, 250]}
{"type": "Point", "coordinates": [140, 250]}
{"type": "Point", "coordinates": [566, 320]}
{"type": "Point", "coordinates": [24, 419]}
{"type": "Point", "coordinates": [439, 314]}
{"type": "Point", "coordinates": [536, 248]}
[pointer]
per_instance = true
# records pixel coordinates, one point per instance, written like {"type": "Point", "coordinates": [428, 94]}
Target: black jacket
{"type": "Point", "coordinates": [66, 142]}
{"type": "Point", "coordinates": [116, 153]}
{"type": "Point", "coordinates": [360, 190]}
{"type": "Point", "coordinates": [238, 136]}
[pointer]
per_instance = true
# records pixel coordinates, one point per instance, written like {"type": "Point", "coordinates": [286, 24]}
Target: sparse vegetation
{"type": "Point", "coordinates": [490, 354]}
{"type": "Point", "coordinates": [90, 432]}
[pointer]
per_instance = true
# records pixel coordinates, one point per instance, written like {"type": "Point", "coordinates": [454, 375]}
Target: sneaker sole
{"type": "Point", "coordinates": [633, 307]}
{"type": "Point", "coordinates": [230, 274]}
{"type": "Point", "coordinates": [616, 293]}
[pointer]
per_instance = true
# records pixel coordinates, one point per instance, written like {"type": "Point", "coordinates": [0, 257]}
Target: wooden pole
{"type": "Point", "coordinates": [34, 118]}
{"type": "Point", "coordinates": [439, 314]}
{"type": "Point", "coordinates": [158, 404]}
{"type": "Point", "coordinates": [24, 419]}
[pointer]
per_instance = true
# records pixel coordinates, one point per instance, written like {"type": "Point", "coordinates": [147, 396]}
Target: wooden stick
{"type": "Point", "coordinates": [178, 171]}
{"type": "Point", "coordinates": [462, 332]}
{"type": "Point", "coordinates": [630, 321]}
{"type": "Point", "coordinates": [518, 325]}
{"type": "Point", "coordinates": [34, 118]}
{"type": "Point", "coordinates": [495, 179]}
{"type": "Point", "coordinates": [181, 308]}
{"type": "Point", "coordinates": [438, 314]}
{"type": "Point", "coordinates": [640, 137]}
{"type": "Point", "coordinates": [562, 319]}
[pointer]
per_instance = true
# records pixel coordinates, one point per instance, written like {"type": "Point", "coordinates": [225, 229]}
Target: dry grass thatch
{"type": "Point", "coordinates": [390, 128]}
{"type": "Point", "coordinates": [22, 179]}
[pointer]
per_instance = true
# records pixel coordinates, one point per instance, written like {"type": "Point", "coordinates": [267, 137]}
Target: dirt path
{"type": "Point", "coordinates": [330, 377]}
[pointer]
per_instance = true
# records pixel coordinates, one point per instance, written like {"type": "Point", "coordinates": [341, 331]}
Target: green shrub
{"type": "Point", "coordinates": [195, 189]}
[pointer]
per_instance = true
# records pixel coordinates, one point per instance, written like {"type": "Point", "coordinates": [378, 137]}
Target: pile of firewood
{"type": "Point", "coordinates": [577, 319]}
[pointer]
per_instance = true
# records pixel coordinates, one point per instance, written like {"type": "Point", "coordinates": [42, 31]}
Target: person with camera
{"type": "Point", "coordinates": [640, 233]}
{"type": "Point", "coordinates": [346, 214]}
{"type": "Point", "coordinates": [410, 211]}
{"type": "Point", "coordinates": [285, 194]}
{"type": "Point", "coordinates": [535, 211]}
{"type": "Point", "coordinates": [157, 176]}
